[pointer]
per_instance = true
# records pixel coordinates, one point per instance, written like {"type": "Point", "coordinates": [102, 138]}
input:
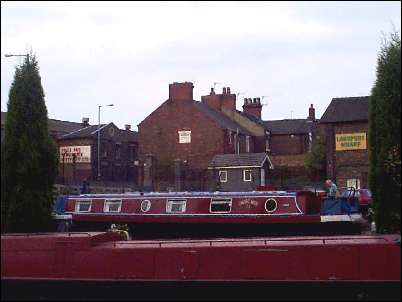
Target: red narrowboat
{"type": "Point", "coordinates": [89, 266]}
{"type": "Point", "coordinates": [236, 211]}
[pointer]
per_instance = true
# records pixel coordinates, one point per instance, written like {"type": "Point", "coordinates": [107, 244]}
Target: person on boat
{"type": "Point", "coordinates": [332, 189]}
{"type": "Point", "coordinates": [119, 230]}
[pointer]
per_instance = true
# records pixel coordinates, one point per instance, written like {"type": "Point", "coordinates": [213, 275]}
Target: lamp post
{"type": "Point", "coordinates": [7, 55]}
{"type": "Point", "coordinates": [99, 107]}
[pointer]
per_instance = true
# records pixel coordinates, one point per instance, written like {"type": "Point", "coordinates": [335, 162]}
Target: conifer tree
{"type": "Point", "coordinates": [28, 155]}
{"type": "Point", "coordinates": [385, 137]}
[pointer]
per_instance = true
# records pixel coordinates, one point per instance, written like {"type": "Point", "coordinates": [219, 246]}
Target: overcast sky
{"type": "Point", "coordinates": [293, 53]}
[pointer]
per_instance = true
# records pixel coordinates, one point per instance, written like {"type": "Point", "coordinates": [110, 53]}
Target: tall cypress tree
{"type": "Point", "coordinates": [28, 155]}
{"type": "Point", "coordinates": [385, 137]}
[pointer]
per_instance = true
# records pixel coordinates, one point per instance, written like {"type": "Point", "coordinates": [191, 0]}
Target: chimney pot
{"type": "Point", "coordinates": [127, 127]}
{"type": "Point", "coordinates": [311, 113]}
{"type": "Point", "coordinates": [228, 90]}
{"type": "Point", "coordinates": [224, 90]}
{"type": "Point", "coordinates": [212, 91]}
{"type": "Point", "coordinates": [85, 121]}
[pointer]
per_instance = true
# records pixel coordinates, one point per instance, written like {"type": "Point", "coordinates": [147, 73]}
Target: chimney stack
{"type": "Point", "coordinates": [85, 121]}
{"type": "Point", "coordinates": [127, 127]}
{"type": "Point", "coordinates": [311, 113]}
{"type": "Point", "coordinates": [253, 106]}
{"type": "Point", "coordinates": [219, 101]}
{"type": "Point", "coordinates": [181, 91]}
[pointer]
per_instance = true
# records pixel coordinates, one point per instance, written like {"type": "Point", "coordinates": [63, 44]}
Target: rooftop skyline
{"type": "Point", "coordinates": [127, 53]}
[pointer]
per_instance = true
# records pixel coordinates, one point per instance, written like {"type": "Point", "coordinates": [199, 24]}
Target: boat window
{"type": "Point", "coordinates": [113, 206]}
{"type": "Point", "coordinates": [221, 205]}
{"type": "Point", "coordinates": [82, 206]}
{"type": "Point", "coordinates": [271, 205]}
{"type": "Point", "coordinates": [176, 206]}
{"type": "Point", "coordinates": [145, 205]}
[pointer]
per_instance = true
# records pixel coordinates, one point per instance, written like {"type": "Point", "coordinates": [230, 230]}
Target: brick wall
{"type": "Point", "coordinates": [114, 168]}
{"type": "Point", "coordinates": [158, 135]}
{"type": "Point", "coordinates": [288, 145]}
{"type": "Point", "coordinates": [343, 165]}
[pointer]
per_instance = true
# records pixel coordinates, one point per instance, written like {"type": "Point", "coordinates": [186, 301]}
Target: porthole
{"type": "Point", "coordinates": [145, 205]}
{"type": "Point", "coordinates": [271, 205]}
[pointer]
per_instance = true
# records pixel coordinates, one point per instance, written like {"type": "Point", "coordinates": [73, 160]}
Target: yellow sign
{"type": "Point", "coordinates": [350, 141]}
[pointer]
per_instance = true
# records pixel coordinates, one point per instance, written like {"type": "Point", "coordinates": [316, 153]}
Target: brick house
{"type": "Point", "coordinates": [184, 135]}
{"type": "Point", "coordinates": [78, 154]}
{"type": "Point", "coordinates": [346, 128]}
{"type": "Point", "coordinates": [240, 172]}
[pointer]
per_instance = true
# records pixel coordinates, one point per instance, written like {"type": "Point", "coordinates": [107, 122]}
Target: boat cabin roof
{"type": "Point", "coordinates": [188, 194]}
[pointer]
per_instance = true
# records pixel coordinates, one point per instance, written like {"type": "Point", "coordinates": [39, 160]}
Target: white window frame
{"type": "Point", "coordinates": [356, 180]}
{"type": "Point", "coordinates": [106, 205]}
{"type": "Point", "coordinates": [77, 205]}
{"type": "Point", "coordinates": [170, 202]}
{"type": "Point", "coordinates": [247, 144]}
{"type": "Point", "coordinates": [184, 136]}
{"type": "Point", "coordinates": [220, 201]}
{"type": "Point", "coordinates": [223, 172]}
{"type": "Point", "coordinates": [147, 208]}
{"type": "Point", "coordinates": [244, 175]}
{"type": "Point", "coordinates": [276, 205]}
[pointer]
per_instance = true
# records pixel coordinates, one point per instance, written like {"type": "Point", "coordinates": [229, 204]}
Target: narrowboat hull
{"type": "Point", "coordinates": [87, 265]}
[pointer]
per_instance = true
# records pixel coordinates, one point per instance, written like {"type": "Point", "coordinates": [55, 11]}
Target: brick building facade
{"type": "Point", "coordinates": [78, 154]}
{"type": "Point", "coordinates": [188, 133]}
{"type": "Point", "coordinates": [346, 126]}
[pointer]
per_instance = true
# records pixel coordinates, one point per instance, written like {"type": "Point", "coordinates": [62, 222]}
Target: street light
{"type": "Point", "coordinates": [99, 107]}
{"type": "Point", "coordinates": [7, 55]}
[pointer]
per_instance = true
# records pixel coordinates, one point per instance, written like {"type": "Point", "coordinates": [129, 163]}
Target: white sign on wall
{"type": "Point", "coordinates": [82, 154]}
{"type": "Point", "coordinates": [185, 137]}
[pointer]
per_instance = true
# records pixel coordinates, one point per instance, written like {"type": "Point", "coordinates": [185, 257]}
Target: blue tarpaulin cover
{"type": "Point", "coordinates": [60, 204]}
{"type": "Point", "coordinates": [339, 206]}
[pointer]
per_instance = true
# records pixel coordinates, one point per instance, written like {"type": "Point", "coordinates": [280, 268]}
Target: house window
{"type": "Point", "coordinates": [184, 137]}
{"type": "Point", "coordinates": [230, 137]}
{"type": "Point", "coordinates": [221, 205]}
{"type": "Point", "coordinates": [223, 176]}
{"type": "Point", "coordinates": [353, 183]}
{"type": "Point", "coordinates": [104, 149]}
{"type": "Point", "coordinates": [112, 206]}
{"type": "Point", "coordinates": [247, 175]}
{"type": "Point", "coordinates": [131, 152]}
{"type": "Point", "coordinates": [118, 150]}
{"type": "Point", "coordinates": [247, 143]}
{"type": "Point", "coordinates": [176, 206]}
{"type": "Point", "coordinates": [83, 206]}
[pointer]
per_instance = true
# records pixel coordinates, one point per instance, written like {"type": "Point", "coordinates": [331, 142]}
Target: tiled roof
{"type": "Point", "coordinates": [221, 118]}
{"type": "Point", "coordinates": [54, 125]}
{"type": "Point", "coordinates": [83, 132]}
{"type": "Point", "coordinates": [346, 110]}
{"type": "Point", "coordinates": [92, 131]}
{"type": "Point", "coordinates": [238, 160]}
{"type": "Point", "coordinates": [290, 126]}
